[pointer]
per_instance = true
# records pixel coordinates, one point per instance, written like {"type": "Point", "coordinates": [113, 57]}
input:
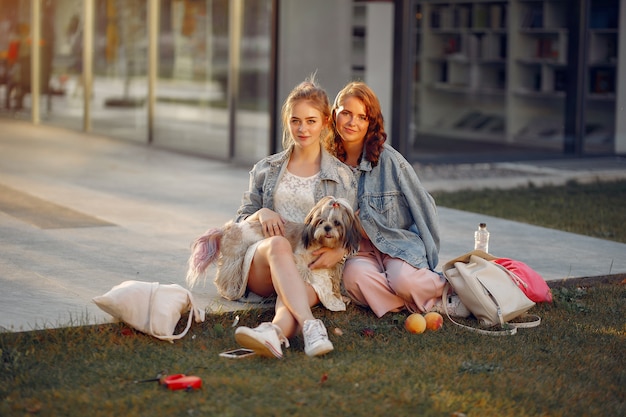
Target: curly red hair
{"type": "Point", "coordinates": [374, 138]}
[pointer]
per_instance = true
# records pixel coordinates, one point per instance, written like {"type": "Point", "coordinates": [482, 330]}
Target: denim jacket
{"type": "Point", "coordinates": [336, 179]}
{"type": "Point", "coordinates": [397, 213]}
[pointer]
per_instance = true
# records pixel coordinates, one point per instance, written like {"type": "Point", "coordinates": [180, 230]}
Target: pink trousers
{"type": "Point", "coordinates": [386, 284]}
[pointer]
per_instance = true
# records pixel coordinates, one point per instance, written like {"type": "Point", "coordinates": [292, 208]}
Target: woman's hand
{"type": "Point", "coordinates": [327, 257]}
{"type": "Point", "coordinates": [271, 222]}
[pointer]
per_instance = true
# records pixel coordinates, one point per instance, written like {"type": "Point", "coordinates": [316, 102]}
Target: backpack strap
{"type": "Point", "coordinates": [536, 321]}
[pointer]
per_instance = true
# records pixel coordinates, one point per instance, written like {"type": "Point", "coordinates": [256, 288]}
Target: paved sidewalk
{"type": "Point", "coordinates": [82, 213]}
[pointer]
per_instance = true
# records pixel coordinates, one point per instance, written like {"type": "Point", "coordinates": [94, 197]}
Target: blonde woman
{"type": "Point", "coordinates": [285, 186]}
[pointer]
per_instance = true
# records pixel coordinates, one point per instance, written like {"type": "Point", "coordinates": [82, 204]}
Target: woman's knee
{"type": "Point", "coordinates": [274, 247]}
{"type": "Point", "coordinates": [351, 277]}
{"type": "Point", "coordinates": [278, 245]}
{"type": "Point", "coordinates": [415, 280]}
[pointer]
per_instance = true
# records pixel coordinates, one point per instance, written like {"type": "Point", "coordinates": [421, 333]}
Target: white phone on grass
{"type": "Point", "coordinates": [237, 353]}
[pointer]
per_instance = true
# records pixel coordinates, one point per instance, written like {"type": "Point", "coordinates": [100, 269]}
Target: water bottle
{"type": "Point", "coordinates": [481, 238]}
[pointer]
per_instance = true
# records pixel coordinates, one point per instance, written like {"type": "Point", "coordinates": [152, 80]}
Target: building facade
{"type": "Point", "coordinates": [208, 77]}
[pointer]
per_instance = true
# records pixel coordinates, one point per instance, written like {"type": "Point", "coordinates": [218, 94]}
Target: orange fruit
{"type": "Point", "coordinates": [415, 323]}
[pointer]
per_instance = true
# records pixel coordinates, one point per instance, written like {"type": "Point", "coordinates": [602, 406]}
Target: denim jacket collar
{"type": "Point", "coordinates": [328, 169]}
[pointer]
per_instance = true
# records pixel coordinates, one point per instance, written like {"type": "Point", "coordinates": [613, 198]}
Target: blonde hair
{"type": "Point", "coordinates": [310, 91]}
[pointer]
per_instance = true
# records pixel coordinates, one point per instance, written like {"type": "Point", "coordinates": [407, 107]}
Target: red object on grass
{"type": "Point", "coordinates": [181, 381]}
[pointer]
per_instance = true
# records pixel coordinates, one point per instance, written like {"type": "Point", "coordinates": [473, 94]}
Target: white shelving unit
{"type": "Point", "coordinates": [602, 70]}
{"type": "Point", "coordinates": [496, 71]}
{"type": "Point", "coordinates": [463, 69]}
{"type": "Point", "coordinates": [539, 42]}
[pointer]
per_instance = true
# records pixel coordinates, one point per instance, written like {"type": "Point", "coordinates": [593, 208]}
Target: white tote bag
{"type": "Point", "coordinates": [150, 307]}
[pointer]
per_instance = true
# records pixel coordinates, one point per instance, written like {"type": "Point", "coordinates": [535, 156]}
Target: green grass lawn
{"type": "Point", "coordinates": [571, 365]}
{"type": "Point", "coordinates": [597, 209]}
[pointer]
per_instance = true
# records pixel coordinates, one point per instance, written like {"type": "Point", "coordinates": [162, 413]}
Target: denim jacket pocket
{"type": "Point", "coordinates": [392, 210]}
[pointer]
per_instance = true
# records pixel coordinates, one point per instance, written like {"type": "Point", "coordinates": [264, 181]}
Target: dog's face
{"type": "Point", "coordinates": [332, 223]}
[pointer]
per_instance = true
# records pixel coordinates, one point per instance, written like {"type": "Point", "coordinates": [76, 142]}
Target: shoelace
{"type": "Point", "coordinates": [314, 332]}
{"type": "Point", "coordinates": [281, 337]}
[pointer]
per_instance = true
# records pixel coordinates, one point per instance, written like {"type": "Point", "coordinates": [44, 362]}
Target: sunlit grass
{"type": "Point", "coordinates": [596, 210]}
{"type": "Point", "coordinates": [570, 365]}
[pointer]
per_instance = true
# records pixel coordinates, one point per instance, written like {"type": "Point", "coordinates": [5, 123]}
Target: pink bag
{"type": "Point", "coordinates": [530, 282]}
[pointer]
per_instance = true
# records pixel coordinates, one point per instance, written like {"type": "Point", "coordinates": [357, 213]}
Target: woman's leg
{"type": "Point", "coordinates": [366, 282]}
{"type": "Point", "coordinates": [273, 270]}
{"type": "Point", "coordinates": [420, 288]}
{"type": "Point", "coordinates": [283, 317]}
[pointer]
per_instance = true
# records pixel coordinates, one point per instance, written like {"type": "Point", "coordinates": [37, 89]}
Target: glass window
{"type": "Point", "coordinates": [252, 113]}
{"type": "Point", "coordinates": [16, 56]}
{"type": "Point", "coordinates": [119, 106]}
{"type": "Point", "coordinates": [191, 111]}
{"type": "Point", "coordinates": [62, 91]}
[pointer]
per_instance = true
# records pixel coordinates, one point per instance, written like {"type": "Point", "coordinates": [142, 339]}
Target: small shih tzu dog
{"type": "Point", "coordinates": [331, 223]}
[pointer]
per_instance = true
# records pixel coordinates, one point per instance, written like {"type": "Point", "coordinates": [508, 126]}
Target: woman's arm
{"type": "Point", "coordinates": [423, 210]}
{"type": "Point", "coordinates": [328, 258]}
{"type": "Point", "coordinates": [271, 222]}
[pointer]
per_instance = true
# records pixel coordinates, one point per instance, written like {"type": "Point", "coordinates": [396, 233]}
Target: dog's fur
{"type": "Point", "coordinates": [330, 223]}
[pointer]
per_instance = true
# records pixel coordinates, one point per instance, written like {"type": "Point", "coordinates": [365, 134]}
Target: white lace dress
{"type": "Point", "coordinates": [293, 201]}
{"type": "Point", "coordinates": [294, 196]}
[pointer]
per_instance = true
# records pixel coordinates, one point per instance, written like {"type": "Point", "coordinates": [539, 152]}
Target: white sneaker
{"type": "Point", "coordinates": [264, 340]}
{"type": "Point", "coordinates": [316, 341]}
{"type": "Point", "coordinates": [455, 307]}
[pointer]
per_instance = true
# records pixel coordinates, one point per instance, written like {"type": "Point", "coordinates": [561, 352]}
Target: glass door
{"type": "Point", "coordinates": [119, 97]}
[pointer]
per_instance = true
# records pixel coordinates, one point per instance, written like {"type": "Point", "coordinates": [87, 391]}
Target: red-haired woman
{"type": "Point", "coordinates": [394, 268]}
